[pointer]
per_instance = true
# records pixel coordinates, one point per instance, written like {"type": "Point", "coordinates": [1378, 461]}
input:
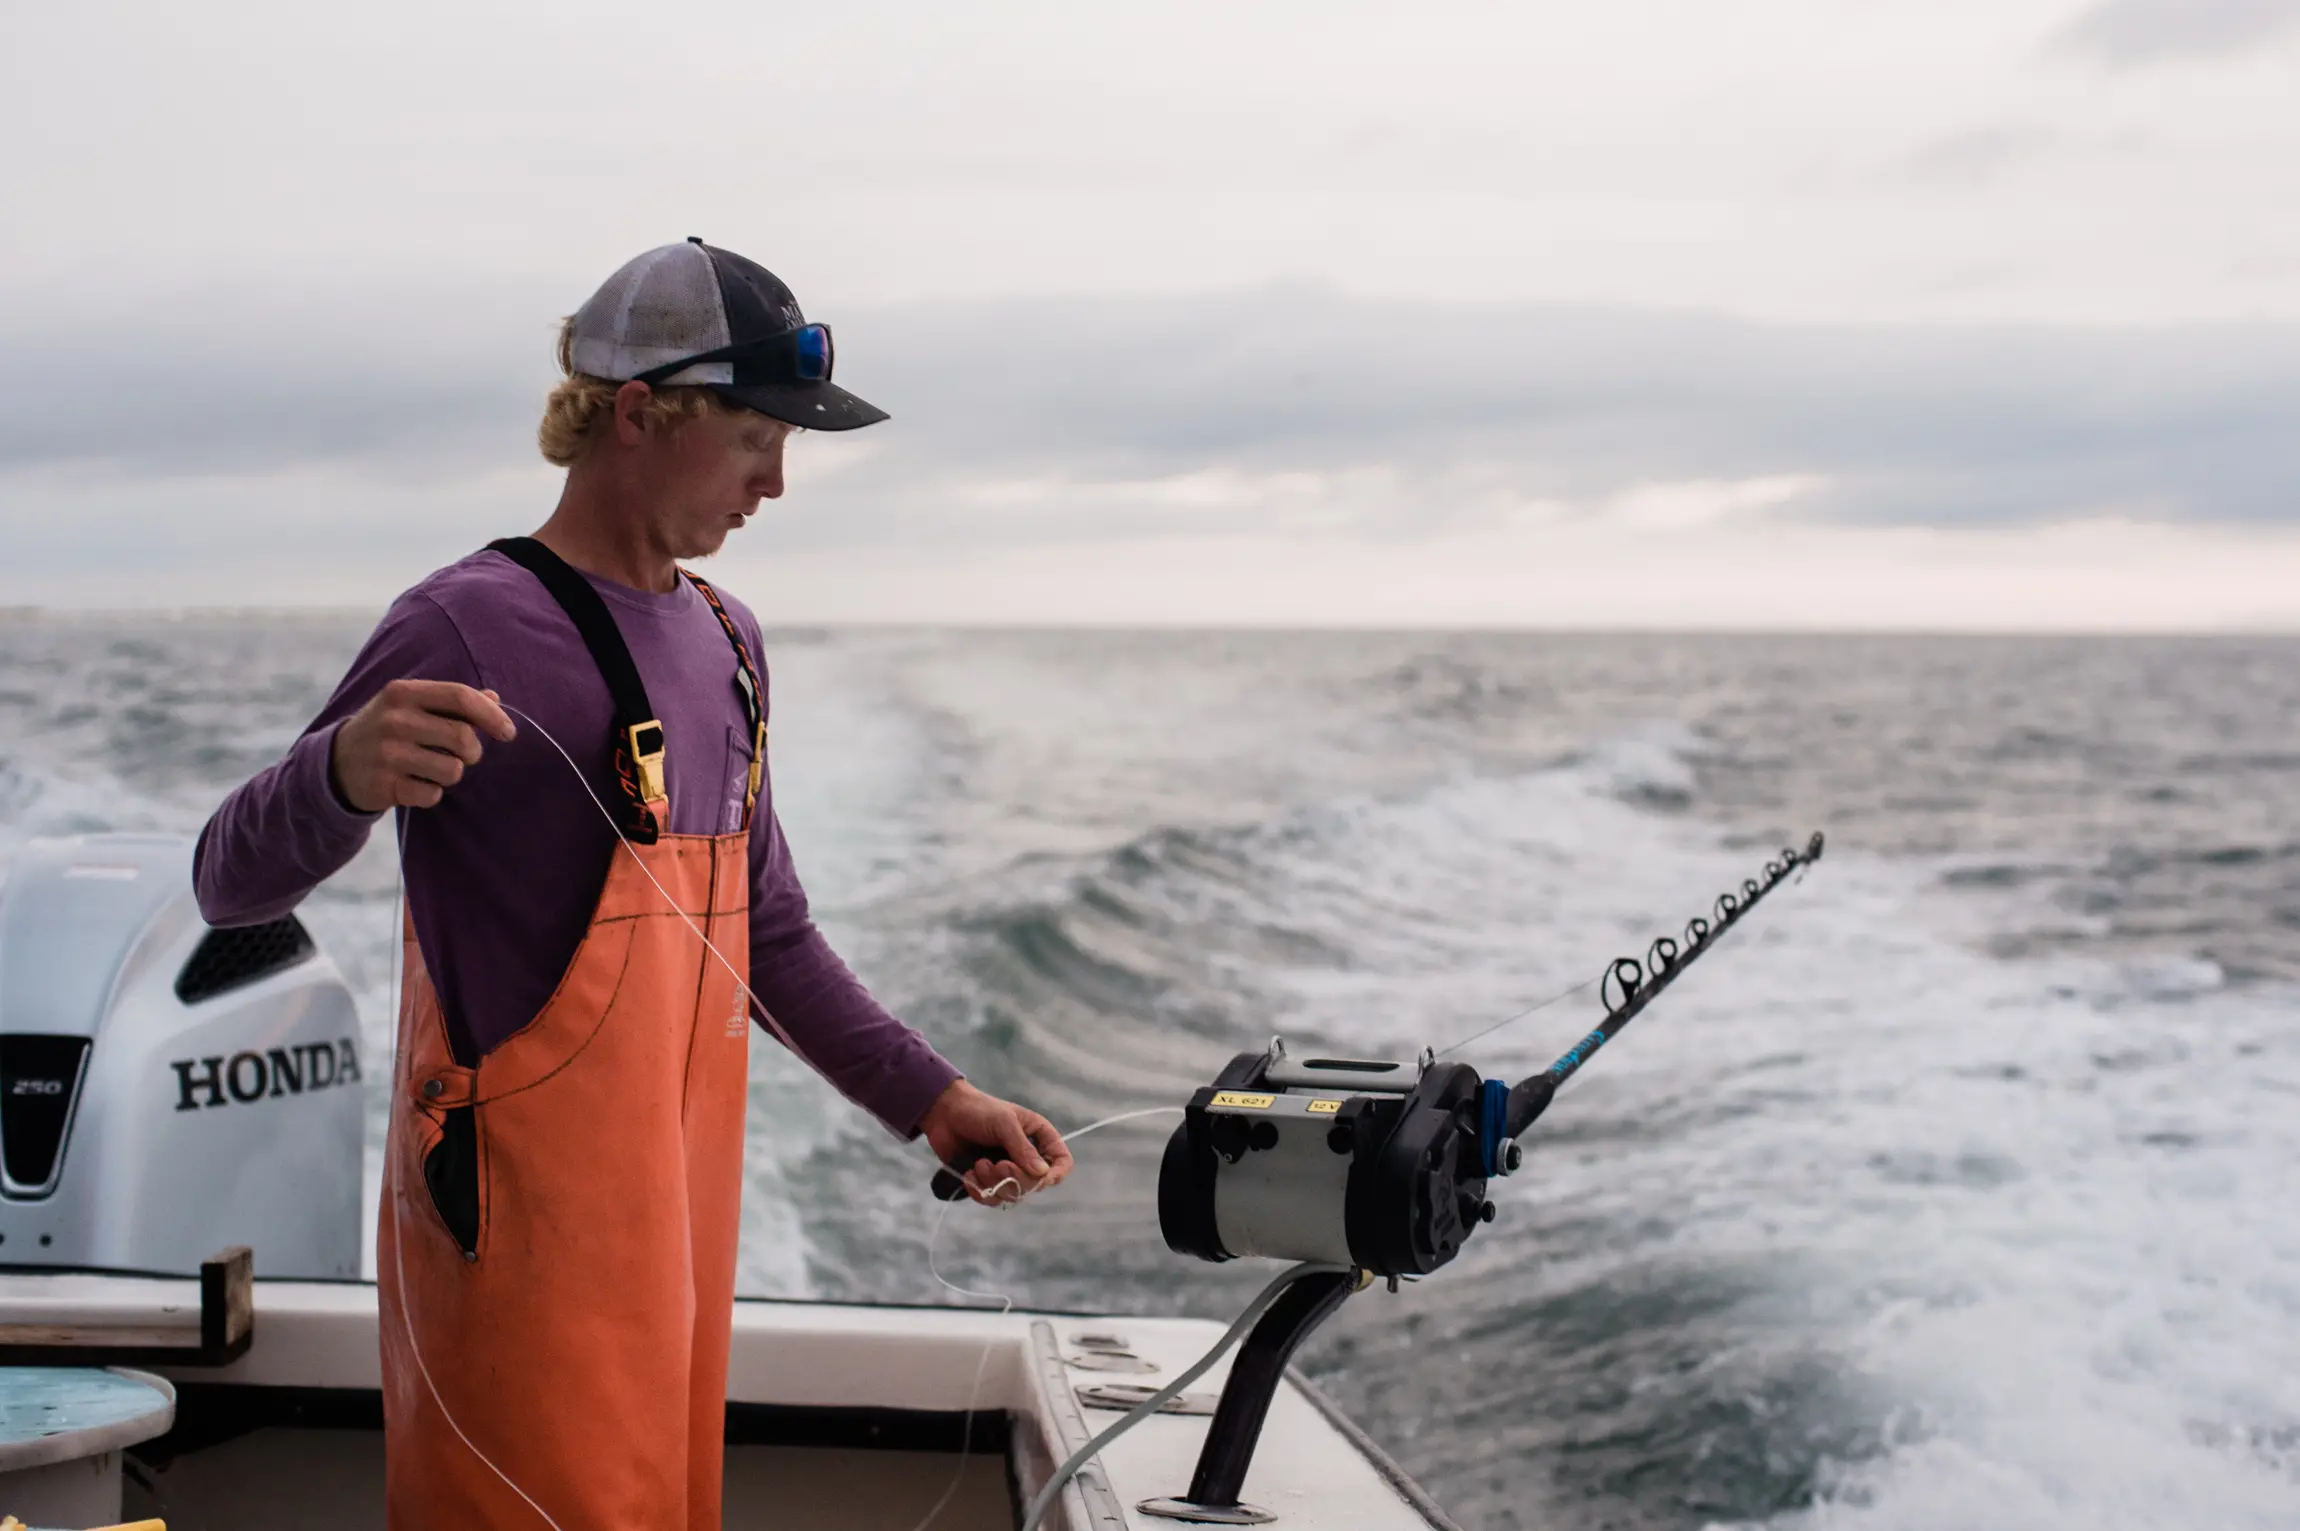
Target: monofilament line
{"type": "Point", "coordinates": [1004, 1300]}
{"type": "Point", "coordinates": [758, 1005]}
{"type": "Point", "coordinates": [401, 1081]}
{"type": "Point", "coordinates": [1511, 1020]}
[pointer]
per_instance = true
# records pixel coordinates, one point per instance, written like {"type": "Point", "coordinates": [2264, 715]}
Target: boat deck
{"type": "Point", "coordinates": [838, 1416]}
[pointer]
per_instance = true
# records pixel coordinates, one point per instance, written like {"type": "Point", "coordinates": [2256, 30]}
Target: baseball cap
{"type": "Point", "coordinates": [694, 315]}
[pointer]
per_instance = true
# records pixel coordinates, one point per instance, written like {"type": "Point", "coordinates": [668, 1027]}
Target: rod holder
{"type": "Point", "coordinates": [1236, 1428]}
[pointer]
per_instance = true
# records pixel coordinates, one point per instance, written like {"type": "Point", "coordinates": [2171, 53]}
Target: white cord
{"type": "Point", "coordinates": [640, 861]}
{"type": "Point", "coordinates": [1172, 1390]}
{"type": "Point", "coordinates": [1511, 1020]}
{"type": "Point", "coordinates": [399, 1258]}
{"type": "Point", "coordinates": [1004, 1300]}
{"type": "Point", "coordinates": [400, 1080]}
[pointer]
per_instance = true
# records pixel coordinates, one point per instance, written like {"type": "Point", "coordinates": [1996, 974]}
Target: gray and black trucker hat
{"type": "Point", "coordinates": [728, 318]}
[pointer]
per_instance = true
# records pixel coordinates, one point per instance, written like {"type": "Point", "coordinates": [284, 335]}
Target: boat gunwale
{"type": "Point", "coordinates": [807, 1372]}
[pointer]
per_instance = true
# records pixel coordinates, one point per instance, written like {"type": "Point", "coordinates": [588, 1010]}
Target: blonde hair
{"type": "Point", "coordinates": [573, 412]}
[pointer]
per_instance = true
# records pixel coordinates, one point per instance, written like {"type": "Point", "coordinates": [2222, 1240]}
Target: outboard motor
{"type": "Point", "coordinates": [168, 1088]}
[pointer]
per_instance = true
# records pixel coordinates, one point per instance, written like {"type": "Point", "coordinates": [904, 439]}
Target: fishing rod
{"type": "Point", "coordinates": [1366, 1168]}
{"type": "Point", "coordinates": [1381, 1164]}
{"type": "Point", "coordinates": [1630, 985]}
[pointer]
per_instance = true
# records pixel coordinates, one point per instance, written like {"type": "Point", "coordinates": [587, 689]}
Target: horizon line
{"type": "Point", "coordinates": [12, 615]}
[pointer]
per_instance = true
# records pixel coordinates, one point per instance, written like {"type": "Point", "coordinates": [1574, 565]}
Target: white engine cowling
{"type": "Point", "coordinates": [168, 1088]}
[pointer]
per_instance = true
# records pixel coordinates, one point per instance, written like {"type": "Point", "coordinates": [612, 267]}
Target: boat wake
{"type": "Point", "coordinates": [1958, 1195]}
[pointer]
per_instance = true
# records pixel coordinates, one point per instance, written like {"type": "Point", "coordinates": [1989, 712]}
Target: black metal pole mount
{"type": "Point", "coordinates": [1236, 1428]}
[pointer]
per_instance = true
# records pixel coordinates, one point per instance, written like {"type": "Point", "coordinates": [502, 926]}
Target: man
{"type": "Point", "coordinates": [556, 1245]}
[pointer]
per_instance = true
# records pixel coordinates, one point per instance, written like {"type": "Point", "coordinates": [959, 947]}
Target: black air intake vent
{"type": "Point", "coordinates": [226, 959]}
{"type": "Point", "coordinates": [39, 1082]}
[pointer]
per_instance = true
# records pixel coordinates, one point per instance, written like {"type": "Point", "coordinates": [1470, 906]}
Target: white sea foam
{"type": "Point", "coordinates": [1865, 1225]}
{"type": "Point", "coordinates": [2041, 1215]}
{"type": "Point", "coordinates": [2036, 1212]}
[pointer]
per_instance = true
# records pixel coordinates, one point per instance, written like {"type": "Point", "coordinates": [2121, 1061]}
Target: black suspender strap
{"type": "Point", "coordinates": [747, 683]}
{"type": "Point", "coordinates": [638, 732]}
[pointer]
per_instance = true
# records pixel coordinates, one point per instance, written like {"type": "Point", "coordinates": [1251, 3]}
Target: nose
{"type": "Point", "coordinates": [766, 480]}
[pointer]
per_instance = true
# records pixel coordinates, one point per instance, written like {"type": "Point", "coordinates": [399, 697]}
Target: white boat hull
{"type": "Point", "coordinates": [839, 1416]}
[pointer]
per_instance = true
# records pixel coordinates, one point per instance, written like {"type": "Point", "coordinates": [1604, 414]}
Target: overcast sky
{"type": "Point", "coordinates": [1914, 313]}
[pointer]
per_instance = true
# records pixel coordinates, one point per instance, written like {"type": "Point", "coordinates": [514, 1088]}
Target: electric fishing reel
{"type": "Point", "coordinates": [1373, 1163]}
{"type": "Point", "coordinates": [1383, 1165]}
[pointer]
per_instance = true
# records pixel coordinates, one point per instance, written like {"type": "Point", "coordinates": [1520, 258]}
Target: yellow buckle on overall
{"type": "Point", "coordinates": [758, 766]}
{"type": "Point", "coordinates": [646, 744]}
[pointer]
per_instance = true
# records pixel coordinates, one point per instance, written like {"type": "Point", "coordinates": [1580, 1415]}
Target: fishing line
{"type": "Point", "coordinates": [1512, 1020]}
{"type": "Point", "coordinates": [758, 1005]}
{"type": "Point", "coordinates": [974, 1389]}
{"type": "Point", "coordinates": [399, 1258]}
{"type": "Point", "coordinates": [400, 1081]}
{"type": "Point", "coordinates": [1004, 1300]}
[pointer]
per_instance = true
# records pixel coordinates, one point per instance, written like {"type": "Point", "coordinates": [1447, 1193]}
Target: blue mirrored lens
{"type": "Point", "coordinates": [814, 353]}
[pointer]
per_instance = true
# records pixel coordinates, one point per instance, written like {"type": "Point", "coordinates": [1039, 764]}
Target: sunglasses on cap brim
{"type": "Point", "coordinates": [802, 355]}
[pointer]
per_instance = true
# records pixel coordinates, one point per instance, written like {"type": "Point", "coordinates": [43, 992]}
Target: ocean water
{"type": "Point", "coordinates": [1960, 1189]}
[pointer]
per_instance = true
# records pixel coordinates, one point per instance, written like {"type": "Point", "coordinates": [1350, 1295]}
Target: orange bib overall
{"type": "Point", "coordinates": [556, 1250]}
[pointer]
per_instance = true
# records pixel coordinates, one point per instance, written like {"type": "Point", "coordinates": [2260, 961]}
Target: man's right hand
{"type": "Point", "coordinates": [412, 741]}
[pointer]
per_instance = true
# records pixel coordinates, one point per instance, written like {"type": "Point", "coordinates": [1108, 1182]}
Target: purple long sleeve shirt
{"type": "Point", "coordinates": [502, 875]}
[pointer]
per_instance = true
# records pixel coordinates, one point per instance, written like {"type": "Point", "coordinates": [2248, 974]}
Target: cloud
{"type": "Point", "coordinates": [229, 382]}
{"type": "Point", "coordinates": [2129, 33]}
{"type": "Point", "coordinates": [1475, 409]}
{"type": "Point", "coordinates": [1971, 156]}
{"type": "Point", "coordinates": [1287, 409]}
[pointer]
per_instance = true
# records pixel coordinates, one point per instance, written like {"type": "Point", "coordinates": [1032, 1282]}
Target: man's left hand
{"type": "Point", "coordinates": [968, 1130]}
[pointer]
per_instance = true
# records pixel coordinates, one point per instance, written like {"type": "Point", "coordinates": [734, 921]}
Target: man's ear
{"type": "Point", "coordinates": [631, 423]}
